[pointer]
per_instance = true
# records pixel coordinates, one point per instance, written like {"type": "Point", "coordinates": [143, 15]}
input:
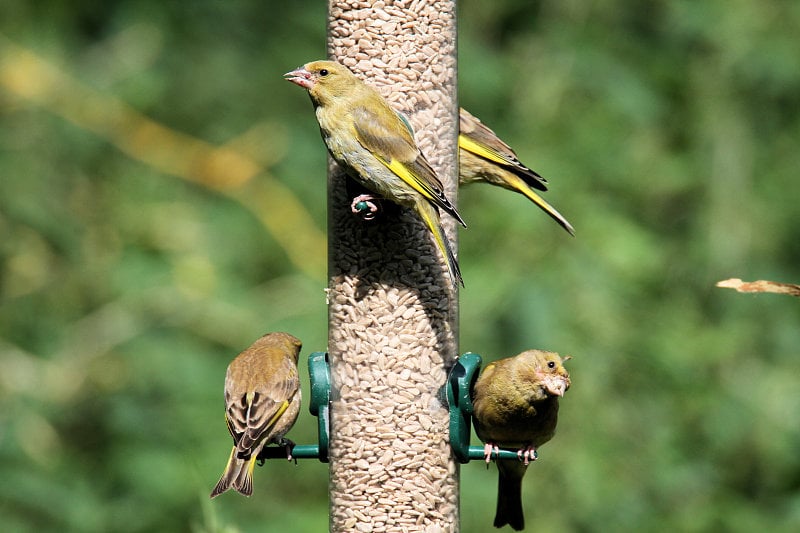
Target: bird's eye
{"type": "Point", "coordinates": [323, 72]}
{"type": "Point", "coordinates": [551, 364]}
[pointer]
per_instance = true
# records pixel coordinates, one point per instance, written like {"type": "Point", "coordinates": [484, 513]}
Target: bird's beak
{"type": "Point", "coordinates": [300, 77]}
{"type": "Point", "coordinates": [558, 387]}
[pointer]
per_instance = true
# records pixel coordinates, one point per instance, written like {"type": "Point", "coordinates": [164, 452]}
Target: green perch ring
{"type": "Point", "coordinates": [320, 377]}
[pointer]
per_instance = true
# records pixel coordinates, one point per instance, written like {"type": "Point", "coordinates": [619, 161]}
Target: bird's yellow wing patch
{"type": "Point", "coordinates": [389, 139]}
{"type": "Point", "coordinates": [278, 413]}
{"type": "Point", "coordinates": [404, 173]}
{"type": "Point", "coordinates": [483, 150]}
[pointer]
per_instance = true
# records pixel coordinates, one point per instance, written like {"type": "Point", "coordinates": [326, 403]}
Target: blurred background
{"type": "Point", "coordinates": [162, 204]}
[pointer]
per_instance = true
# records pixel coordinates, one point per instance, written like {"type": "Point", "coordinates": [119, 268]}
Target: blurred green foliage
{"type": "Point", "coordinates": [669, 131]}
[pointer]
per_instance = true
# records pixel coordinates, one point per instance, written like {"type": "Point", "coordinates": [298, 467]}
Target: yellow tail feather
{"type": "Point", "coordinates": [228, 476]}
{"type": "Point", "coordinates": [431, 219]}
{"type": "Point", "coordinates": [520, 186]}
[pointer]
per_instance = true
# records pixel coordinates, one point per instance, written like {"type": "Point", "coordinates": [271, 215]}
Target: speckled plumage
{"type": "Point", "coordinates": [262, 401]}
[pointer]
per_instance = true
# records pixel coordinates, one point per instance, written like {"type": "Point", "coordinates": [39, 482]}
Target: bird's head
{"type": "Point", "coordinates": [549, 371]}
{"type": "Point", "coordinates": [323, 80]}
{"type": "Point", "coordinates": [556, 379]}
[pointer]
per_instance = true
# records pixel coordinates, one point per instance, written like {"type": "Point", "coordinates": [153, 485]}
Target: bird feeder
{"type": "Point", "coordinates": [392, 306]}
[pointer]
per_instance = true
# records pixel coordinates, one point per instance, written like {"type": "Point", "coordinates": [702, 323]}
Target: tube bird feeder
{"type": "Point", "coordinates": [392, 306]}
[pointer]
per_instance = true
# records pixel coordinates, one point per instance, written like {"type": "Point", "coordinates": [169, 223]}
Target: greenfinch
{"type": "Point", "coordinates": [376, 146]}
{"type": "Point", "coordinates": [262, 400]}
{"type": "Point", "coordinates": [516, 406]}
{"type": "Point", "coordinates": [484, 157]}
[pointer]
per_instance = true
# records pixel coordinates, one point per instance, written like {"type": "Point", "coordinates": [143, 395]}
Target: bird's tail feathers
{"type": "Point", "coordinates": [519, 184]}
{"type": "Point", "coordinates": [238, 475]}
{"type": "Point", "coordinates": [244, 480]}
{"type": "Point", "coordinates": [227, 478]}
{"type": "Point", "coordinates": [531, 177]}
{"type": "Point", "coordinates": [430, 216]}
{"type": "Point", "coordinates": [509, 495]}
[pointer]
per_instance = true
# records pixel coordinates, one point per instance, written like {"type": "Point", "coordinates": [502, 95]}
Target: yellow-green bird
{"type": "Point", "coordinates": [484, 157]}
{"type": "Point", "coordinates": [262, 400]}
{"type": "Point", "coordinates": [376, 146]}
{"type": "Point", "coordinates": [516, 406]}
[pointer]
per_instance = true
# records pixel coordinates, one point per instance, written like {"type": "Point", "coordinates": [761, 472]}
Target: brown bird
{"type": "Point", "coordinates": [262, 400]}
{"type": "Point", "coordinates": [516, 406]}
{"type": "Point", "coordinates": [484, 157]}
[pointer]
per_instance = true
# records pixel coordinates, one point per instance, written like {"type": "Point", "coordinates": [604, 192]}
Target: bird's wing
{"type": "Point", "coordinates": [271, 401]}
{"type": "Point", "coordinates": [252, 416]}
{"type": "Point", "coordinates": [476, 138]}
{"type": "Point", "coordinates": [396, 149]}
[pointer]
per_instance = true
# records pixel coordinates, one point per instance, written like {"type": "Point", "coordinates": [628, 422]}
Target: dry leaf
{"type": "Point", "coordinates": [760, 286]}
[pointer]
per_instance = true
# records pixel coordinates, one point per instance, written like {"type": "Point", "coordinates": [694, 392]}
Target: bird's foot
{"type": "Point", "coordinates": [367, 206]}
{"type": "Point", "coordinates": [488, 450]}
{"type": "Point", "coordinates": [527, 454]}
{"type": "Point", "coordinates": [288, 445]}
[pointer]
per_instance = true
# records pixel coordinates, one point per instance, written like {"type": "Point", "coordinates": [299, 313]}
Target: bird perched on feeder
{"type": "Point", "coordinates": [262, 400]}
{"type": "Point", "coordinates": [376, 146]}
{"type": "Point", "coordinates": [516, 406]}
{"type": "Point", "coordinates": [484, 157]}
